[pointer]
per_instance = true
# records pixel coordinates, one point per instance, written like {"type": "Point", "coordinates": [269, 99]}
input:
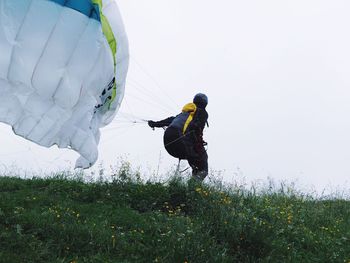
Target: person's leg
{"type": "Point", "coordinates": [199, 165]}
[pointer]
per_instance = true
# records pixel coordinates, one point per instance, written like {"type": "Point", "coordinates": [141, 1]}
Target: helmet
{"type": "Point", "coordinates": [201, 100]}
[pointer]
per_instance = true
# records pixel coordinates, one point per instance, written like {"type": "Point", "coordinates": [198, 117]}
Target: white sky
{"type": "Point", "coordinates": [276, 74]}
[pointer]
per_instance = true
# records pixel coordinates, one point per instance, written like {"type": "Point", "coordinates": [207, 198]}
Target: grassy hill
{"type": "Point", "coordinates": [64, 219]}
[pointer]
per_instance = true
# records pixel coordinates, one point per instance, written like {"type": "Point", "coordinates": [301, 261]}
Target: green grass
{"type": "Point", "coordinates": [64, 219]}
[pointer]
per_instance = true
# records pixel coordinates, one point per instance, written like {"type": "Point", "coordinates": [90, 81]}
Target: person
{"type": "Point", "coordinates": [183, 136]}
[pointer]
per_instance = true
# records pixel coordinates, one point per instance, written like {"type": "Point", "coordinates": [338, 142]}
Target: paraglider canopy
{"type": "Point", "coordinates": [63, 67]}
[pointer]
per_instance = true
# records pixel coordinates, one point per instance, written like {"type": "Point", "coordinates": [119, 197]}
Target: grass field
{"type": "Point", "coordinates": [66, 219]}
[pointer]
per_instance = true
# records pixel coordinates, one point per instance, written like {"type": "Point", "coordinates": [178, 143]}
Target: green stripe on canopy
{"type": "Point", "coordinates": [107, 31]}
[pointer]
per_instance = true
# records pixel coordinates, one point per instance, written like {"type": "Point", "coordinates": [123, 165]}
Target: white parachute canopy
{"type": "Point", "coordinates": [63, 65]}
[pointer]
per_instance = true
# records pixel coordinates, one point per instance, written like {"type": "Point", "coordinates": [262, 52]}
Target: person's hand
{"type": "Point", "coordinates": [151, 124]}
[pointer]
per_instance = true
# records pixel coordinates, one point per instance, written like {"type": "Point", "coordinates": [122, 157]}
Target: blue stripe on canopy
{"type": "Point", "coordinates": [83, 6]}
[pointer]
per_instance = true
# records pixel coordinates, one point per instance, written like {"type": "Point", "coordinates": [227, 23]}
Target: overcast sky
{"type": "Point", "coordinates": [276, 74]}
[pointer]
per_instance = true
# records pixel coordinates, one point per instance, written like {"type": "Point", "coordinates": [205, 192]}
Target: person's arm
{"type": "Point", "coordinates": [163, 123]}
{"type": "Point", "coordinates": [199, 121]}
{"type": "Point", "coordinates": [197, 126]}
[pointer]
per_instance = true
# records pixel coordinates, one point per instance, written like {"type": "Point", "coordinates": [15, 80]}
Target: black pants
{"type": "Point", "coordinates": [183, 147]}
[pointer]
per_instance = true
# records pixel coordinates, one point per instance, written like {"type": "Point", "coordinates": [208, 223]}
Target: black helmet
{"type": "Point", "coordinates": [201, 100]}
